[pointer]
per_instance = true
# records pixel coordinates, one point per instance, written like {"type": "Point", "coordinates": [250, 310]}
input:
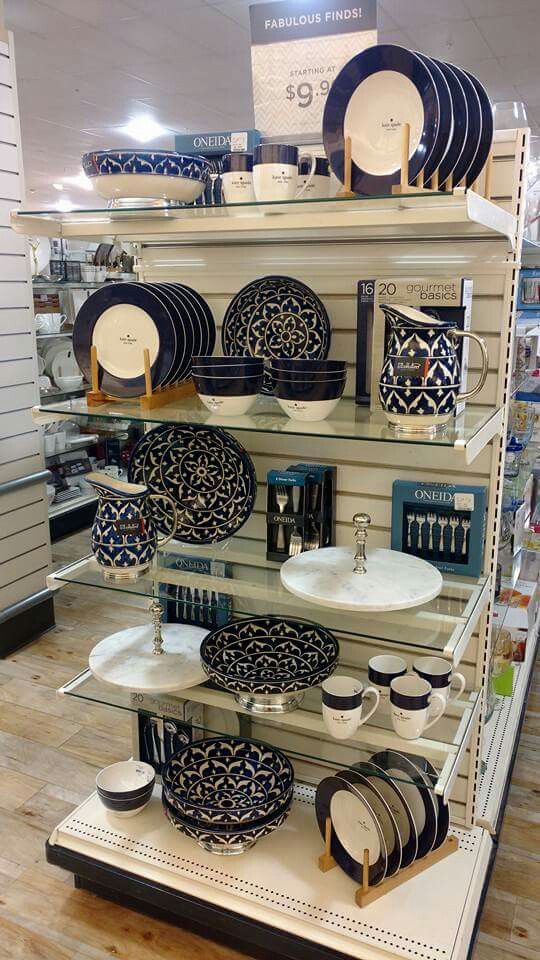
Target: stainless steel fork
{"type": "Point", "coordinates": [295, 543]}
{"type": "Point", "coordinates": [282, 498]}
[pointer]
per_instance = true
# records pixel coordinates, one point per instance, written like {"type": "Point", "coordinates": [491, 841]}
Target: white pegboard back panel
{"type": "Point", "coordinates": [278, 882]}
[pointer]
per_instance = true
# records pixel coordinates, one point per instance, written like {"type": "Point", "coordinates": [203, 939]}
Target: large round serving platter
{"type": "Point", "coordinates": [149, 174]}
{"type": "Point", "coordinates": [371, 98]}
{"type": "Point", "coordinates": [355, 827]}
{"type": "Point", "coordinates": [276, 317]}
{"type": "Point", "coordinates": [393, 581]}
{"type": "Point", "coordinates": [269, 662]}
{"type": "Point", "coordinates": [125, 659]}
{"type": "Point", "coordinates": [123, 319]}
{"type": "Point", "coordinates": [418, 794]}
{"type": "Point", "coordinates": [208, 474]}
{"type": "Point", "coordinates": [486, 135]}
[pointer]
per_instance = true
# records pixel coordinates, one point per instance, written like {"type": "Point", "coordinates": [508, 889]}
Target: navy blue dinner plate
{"type": "Point", "coordinates": [486, 136]}
{"type": "Point", "coordinates": [474, 125]}
{"type": "Point", "coordinates": [379, 114]}
{"type": "Point", "coordinates": [460, 126]}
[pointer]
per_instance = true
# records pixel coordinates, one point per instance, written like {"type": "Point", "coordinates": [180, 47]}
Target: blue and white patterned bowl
{"type": "Point", "coordinates": [228, 781]}
{"type": "Point", "coordinates": [151, 174]}
{"type": "Point", "coordinates": [229, 843]}
{"type": "Point", "coordinates": [269, 662]}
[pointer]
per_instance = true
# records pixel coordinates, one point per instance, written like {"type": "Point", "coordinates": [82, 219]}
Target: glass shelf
{"type": "Point", "coordinates": [469, 433]}
{"type": "Point", "coordinates": [300, 733]}
{"type": "Point", "coordinates": [406, 215]}
{"type": "Point", "coordinates": [242, 573]}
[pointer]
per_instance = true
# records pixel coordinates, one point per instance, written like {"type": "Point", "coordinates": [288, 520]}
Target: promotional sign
{"type": "Point", "coordinates": [297, 49]}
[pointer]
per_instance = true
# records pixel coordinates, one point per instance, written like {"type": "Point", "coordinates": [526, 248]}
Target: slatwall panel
{"type": "Point", "coordinates": [24, 526]}
{"type": "Point", "coordinates": [366, 470]}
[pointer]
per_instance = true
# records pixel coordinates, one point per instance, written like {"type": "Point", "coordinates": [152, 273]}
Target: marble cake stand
{"type": "Point", "coordinates": [374, 581]}
{"type": "Point", "coordinates": [152, 658]}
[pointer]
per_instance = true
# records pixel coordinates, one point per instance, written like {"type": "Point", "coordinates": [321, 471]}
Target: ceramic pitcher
{"type": "Point", "coordinates": [421, 377]}
{"type": "Point", "coordinates": [124, 536]}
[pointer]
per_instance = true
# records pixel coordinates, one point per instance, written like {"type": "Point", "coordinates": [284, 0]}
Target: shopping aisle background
{"type": "Point", "coordinates": [51, 749]}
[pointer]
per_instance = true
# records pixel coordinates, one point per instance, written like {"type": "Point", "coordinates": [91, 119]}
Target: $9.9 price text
{"type": "Point", "coordinates": [305, 92]}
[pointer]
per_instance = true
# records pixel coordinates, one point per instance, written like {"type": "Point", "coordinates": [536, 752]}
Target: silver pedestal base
{"type": "Point", "coordinates": [124, 573]}
{"type": "Point", "coordinates": [234, 850]}
{"type": "Point", "coordinates": [279, 703]}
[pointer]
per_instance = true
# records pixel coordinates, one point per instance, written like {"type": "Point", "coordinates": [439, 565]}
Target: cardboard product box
{"type": "Point", "coordinates": [443, 523]}
{"type": "Point", "coordinates": [449, 298]}
{"type": "Point", "coordinates": [519, 600]}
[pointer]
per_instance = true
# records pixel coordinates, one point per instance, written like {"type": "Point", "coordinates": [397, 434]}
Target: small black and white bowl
{"type": "Point", "coordinates": [229, 395]}
{"type": "Point", "coordinates": [125, 788]}
{"type": "Point", "coordinates": [309, 400]}
{"type": "Point", "coordinates": [305, 366]}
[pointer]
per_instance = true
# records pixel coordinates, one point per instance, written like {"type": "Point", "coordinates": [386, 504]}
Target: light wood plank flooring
{"type": "Point", "coordinates": [50, 749]}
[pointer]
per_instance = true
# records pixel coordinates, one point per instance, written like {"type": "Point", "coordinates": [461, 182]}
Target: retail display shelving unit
{"type": "Point", "coordinates": [274, 898]}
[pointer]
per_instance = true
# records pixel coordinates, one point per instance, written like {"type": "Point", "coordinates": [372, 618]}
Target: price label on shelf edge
{"type": "Point", "coordinates": [297, 49]}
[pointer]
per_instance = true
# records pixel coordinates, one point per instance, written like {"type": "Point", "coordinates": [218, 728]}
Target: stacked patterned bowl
{"type": "Point", "coordinates": [227, 793]}
{"type": "Point", "coordinates": [228, 385]}
{"type": "Point", "coordinates": [308, 389]}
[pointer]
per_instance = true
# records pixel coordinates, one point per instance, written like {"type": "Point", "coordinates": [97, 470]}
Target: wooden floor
{"type": "Point", "coordinates": [50, 749]}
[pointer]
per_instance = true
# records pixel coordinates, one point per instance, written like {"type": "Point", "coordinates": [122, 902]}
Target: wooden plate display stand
{"type": "Point", "coordinates": [434, 186]}
{"type": "Point", "coordinates": [366, 894]}
{"type": "Point", "coordinates": [150, 399]}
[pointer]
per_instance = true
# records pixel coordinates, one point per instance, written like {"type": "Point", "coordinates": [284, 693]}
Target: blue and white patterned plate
{"type": "Point", "coordinates": [269, 655]}
{"type": "Point", "coordinates": [207, 473]}
{"type": "Point", "coordinates": [278, 317]}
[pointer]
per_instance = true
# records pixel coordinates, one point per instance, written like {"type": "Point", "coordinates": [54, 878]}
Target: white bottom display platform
{"type": "Point", "coordinates": [278, 883]}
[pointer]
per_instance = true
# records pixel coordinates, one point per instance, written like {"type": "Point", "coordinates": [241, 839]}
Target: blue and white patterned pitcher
{"type": "Point", "coordinates": [124, 536]}
{"type": "Point", "coordinates": [421, 376]}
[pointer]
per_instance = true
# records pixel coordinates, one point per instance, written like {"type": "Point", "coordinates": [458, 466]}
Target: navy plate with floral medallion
{"type": "Point", "coordinates": [208, 474]}
{"type": "Point", "coordinates": [276, 317]}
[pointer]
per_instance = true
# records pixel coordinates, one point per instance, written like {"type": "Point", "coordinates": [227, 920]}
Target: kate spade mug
{"type": "Point", "coordinates": [275, 172]}
{"type": "Point", "coordinates": [49, 322]}
{"type": "Point", "coordinates": [237, 178]}
{"type": "Point", "coordinates": [438, 673]}
{"type": "Point", "coordinates": [342, 705]}
{"type": "Point", "coordinates": [381, 671]}
{"type": "Point", "coordinates": [316, 187]}
{"type": "Point", "coordinates": [410, 700]}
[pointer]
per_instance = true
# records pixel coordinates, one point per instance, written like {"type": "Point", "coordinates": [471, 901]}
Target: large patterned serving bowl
{"type": "Point", "coordinates": [225, 843]}
{"type": "Point", "coordinates": [269, 662]}
{"type": "Point", "coordinates": [227, 783]}
{"type": "Point", "coordinates": [154, 174]}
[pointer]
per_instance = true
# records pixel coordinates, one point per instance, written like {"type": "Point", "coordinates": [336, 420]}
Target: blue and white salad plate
{"type": "Point", "coordinates": [276, 317]}
{"type": "Point", "coordinates": [208, 474]}
{"type": "Point", "coordinates": [121, 320]}
{"type": "Point", "coordinates": [373, 95]}
{"type": "Point", "coordinates": [154, 174]}
{"type": "Point", "coordinates": [269, 662]}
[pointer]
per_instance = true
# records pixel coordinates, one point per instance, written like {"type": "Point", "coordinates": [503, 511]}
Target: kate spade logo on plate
{"type": "Point", "coordinates": [128, 339]}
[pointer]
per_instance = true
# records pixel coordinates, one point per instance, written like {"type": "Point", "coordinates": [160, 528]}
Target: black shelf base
{"type": "Point", "coordinates": [198, 916]}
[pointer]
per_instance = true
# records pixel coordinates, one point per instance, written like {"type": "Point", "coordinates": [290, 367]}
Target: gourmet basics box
{"type": "Point", "coordinates": [445, 298]}
{"type": "Point", "coordinates": [442, 523]}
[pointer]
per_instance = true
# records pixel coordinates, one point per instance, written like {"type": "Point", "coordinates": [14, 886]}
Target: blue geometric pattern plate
{"type": "Point", "coordinates": [269, 655]}
{"type": "Point", "coordinates": [208, 474]}
{"type": "Point", "coordinates": [276, 317]}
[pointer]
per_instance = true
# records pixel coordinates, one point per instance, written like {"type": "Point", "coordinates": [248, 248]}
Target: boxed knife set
{"type": "Point", "coordinates": [300, 509]}
{"type": "Point", "coordinates": [443, 523]}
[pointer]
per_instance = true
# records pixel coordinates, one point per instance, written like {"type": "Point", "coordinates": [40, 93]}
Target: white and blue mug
{"type": "Point", "coordinates": [381, 671]}
{"type": "Point", "coordinates": [237, 178]}
{"type": "Point", "coordinates": [318, 186]}
{"type": "Point", "coordinates": [438, 673]}
{"type": "Point", "coordinates": [275, 172]}
{"type": "Point", "coordinates": [411, 698]}
{"type": "Point", "coordinates": [342, 705]}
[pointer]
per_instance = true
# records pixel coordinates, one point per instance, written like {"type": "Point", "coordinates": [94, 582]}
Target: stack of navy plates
{"type": "Point", "coordinates": [269, 662]}
{"type": "Point", "coordinates": [171, 320]}
{"type": "Point", "coordinates": [227, 793]}
{"type": "Point", "coordinates": [385, 86]}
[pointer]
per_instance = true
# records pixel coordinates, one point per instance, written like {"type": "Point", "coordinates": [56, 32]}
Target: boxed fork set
{"type": "Point", "coordinates": [300, 509]}
{"type": "Point", "coordinates": [186, 604]}
{"type": "Point", "coordinates": [443, 523]}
